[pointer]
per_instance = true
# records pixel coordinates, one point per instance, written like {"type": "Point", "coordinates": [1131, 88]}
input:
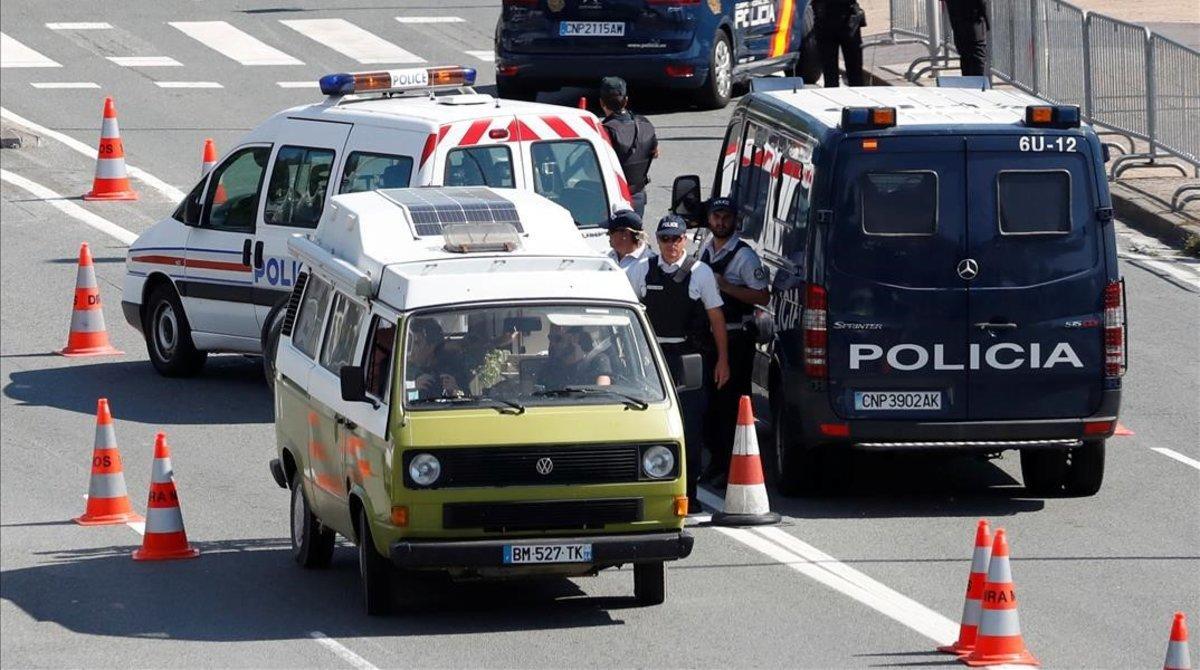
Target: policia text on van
{"type": "Point", "coordinates": [944, 277]}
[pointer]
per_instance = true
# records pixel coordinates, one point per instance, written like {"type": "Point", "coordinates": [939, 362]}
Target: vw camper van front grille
{"type": "Point", "coordinates": [533, 466]}
{"type": "Point", "coordinates": [541, 515]}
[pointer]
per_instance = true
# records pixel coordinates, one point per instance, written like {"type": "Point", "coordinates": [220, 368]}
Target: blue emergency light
{"type": "Point", "coordinates": [411, 79]}
{"type": "Point", "coordinates": [868, 118]}
{"type": "Point", "coordinates": [1052, 116]}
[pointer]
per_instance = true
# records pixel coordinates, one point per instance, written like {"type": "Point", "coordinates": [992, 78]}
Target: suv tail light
{"type": "Point", "coordinates": [1115, 345]}
{"type": "Point", "coordinates": [816, 338]}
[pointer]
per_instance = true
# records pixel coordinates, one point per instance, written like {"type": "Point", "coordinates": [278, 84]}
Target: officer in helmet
{"type": "Point", "coordinates": [740, 275]}
{"type": "Point", "coordinates": [684, 306]}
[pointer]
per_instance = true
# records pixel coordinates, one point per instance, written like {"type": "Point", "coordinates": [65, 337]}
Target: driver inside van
{"type": "Point", "coordinates": [574, 360]}
{"type": "Point", "coordinates": [435, 369]}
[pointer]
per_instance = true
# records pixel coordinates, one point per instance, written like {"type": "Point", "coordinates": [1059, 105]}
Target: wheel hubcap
{"type": "Point", "coordinates": [722, 64]}
{"type": "Point", "coordinates": [166, 331]}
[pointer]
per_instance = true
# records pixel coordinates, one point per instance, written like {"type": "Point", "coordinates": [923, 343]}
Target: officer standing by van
{"type": "Point", "coordinates": [626, 240]}
{"type": "Point", "coordinates": [969, 22]}
{"type": "Point", "coordinates": [838, 24]}
{"type": "Point", "coordinates": [740, 275]}
{"type": "Point", "coordinates": [683, 303]}
{"type": "Point", "coordinates": [632, 136]}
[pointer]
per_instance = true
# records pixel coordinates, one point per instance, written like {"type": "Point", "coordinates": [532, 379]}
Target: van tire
{"type": "Point", "coordinates": [1085, 473]}
{"type": "Point", "coordinates": [270, 345]}
{"type": "Point", "coordinates": [718, 88]}
{"type": "Point", "coordinates": [374, 571]}
{"type": "Point", "coordinates": [1044, 471]}
{"type": "Point", "coordinates": [650, 583]}
{"type": "Point", "coordinates": [312, 543]}
{"type": "Point", "coordinates": [168, 335]}
{"type": "Point", "coordinates": [797, 465]}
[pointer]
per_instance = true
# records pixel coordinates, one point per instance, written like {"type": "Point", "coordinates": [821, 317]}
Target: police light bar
{"type": "Point", "coordinates": [1052, 116]}
{"type": "Point", "coordinates": [868, 118]}
{"type": "Point", "coordinates": [410, 79]}
{"type": "Point", "coordinates": [464, 238]}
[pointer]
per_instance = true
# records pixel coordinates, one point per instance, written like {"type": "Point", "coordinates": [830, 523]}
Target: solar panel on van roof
{"type": "Point", "coordinates": [432, 209]}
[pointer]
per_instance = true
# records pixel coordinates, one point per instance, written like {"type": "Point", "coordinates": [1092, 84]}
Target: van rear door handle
{"type": "Point", "coordinates": [987, 325]}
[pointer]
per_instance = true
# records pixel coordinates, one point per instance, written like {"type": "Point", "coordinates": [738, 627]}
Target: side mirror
{"type": "Point", "coordinates": [691, 373]}
{"type": "Point", "coordinates": [354, 385]}
{"type": "Point", "coordinates": [685, 197]}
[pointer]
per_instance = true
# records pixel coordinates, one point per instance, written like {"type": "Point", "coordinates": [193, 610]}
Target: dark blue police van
{"type": "Point", "coordinates": [944, 277]}
{"type": "Point", "coordinates": [706, 46]}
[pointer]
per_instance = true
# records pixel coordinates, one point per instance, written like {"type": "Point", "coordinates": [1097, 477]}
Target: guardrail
{"type": "Point", "coordinates": [1125, 78]}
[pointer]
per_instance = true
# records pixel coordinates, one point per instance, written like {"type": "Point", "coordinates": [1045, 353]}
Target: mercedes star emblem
{"type": "Point", "coordinates": [545, 466]}
{"type": "Point", "coordinates": [968, 268]}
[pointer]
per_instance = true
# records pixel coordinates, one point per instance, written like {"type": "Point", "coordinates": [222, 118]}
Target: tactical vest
{"type": "Point", "coordinates": [735, 310]}
{"type": "Point", "coordinates": [632, 136]}
{"type": "Point", "coordinates": [680, 323]}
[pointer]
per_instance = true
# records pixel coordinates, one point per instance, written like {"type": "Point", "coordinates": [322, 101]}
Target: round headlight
{"type": "Point", "coordinates": [424, 469]}
{"type": "Point", "coordinates": [658, 462]}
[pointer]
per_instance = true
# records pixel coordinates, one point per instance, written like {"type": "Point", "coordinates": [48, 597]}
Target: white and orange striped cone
{"type": "Point", "coordinates": [112, 177]}
{"type": "Point", "coordinates": [1177, 646]}
{"type": "Point", "coordinates": [999, 639]}
{"type": "Point", "coordinates": [164, 539]}
{"type": "Point", "coordinates": [968, 628]}
{"type": "Point", "coordinates": [88, 336]}
{"type": "Point", "coordinates": [108, 500]}
{"type": "Point", "coordinates": [209, 159]}
{"type": "Point", "coordinates": [746, 501]}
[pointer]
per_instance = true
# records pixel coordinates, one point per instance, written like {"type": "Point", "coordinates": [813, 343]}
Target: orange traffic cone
{"type": "Point", "coordinates": [999, 640]}
{"type": "Point", "coordinates": [88, 336]}
{"type": "Point", "coordinates": [108, 501]}
{"type": "Point", "coordinates": [209, 159]}
{"type": "Point", "coordinates": [165, 538]}
{"type": "Point", "coordinates": [746, 492]}
{"type": "Point", "coordinates": [112, 178]}
{"type": "Point", "coordinates": [1177, 647]}
{"type": "Point", "coordinates": [972, 606]}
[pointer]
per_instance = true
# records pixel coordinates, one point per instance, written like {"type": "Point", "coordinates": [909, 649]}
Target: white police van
{"type": "Point", "coordinates": [214, 276]}
{"type": "Point", "coordinates": [944, 277]}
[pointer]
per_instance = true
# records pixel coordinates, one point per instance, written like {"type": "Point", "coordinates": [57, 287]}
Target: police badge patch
{"type": "Point", "coordinates": [714, 6]}
{"type": "Point", "coordinates": [556, 5]}
{"type": "Point", "coordinates": [760, 273]}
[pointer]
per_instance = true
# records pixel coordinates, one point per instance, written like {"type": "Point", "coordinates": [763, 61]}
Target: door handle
{"type": "Point", "coordinates": [986, 325]}
{"type": "Point", "coordinates": [258, 255]}
{"type": "Point", "coordinates": [246, 253]}
{"type": "Point", "coordinates": [343, 421]}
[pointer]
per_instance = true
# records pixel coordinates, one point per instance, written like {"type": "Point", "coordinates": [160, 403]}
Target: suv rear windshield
{"type": "Point", "coordinates": [899, 203]}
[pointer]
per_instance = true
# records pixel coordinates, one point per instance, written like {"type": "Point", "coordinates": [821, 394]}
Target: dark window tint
{"type": "Point", "coordinates": [367, 172]}
{"type": "Point", "coordinates": [479, 166]}
{"type": "Point", "coordinates": [233, 191]}
{"type": "Point", "coordinates": [1033, 203]}
{"type": "Point", "coordinates": [727, 168]}
{"type": "Point", "coordinates": [379, 357]}
{"type": "Point", "coordinates": [299, 182]}
{"type": "Point", "coordinates": [568, 173]}
{"type": "Point", "coordinates": [306, 333]}
{"type": "Point", "coordinates": [899, 203]}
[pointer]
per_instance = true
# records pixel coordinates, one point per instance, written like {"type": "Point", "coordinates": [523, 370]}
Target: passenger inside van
{"type": "Point", "coordinates": [574, 360]}
{"type": "Point", "coordinates": [434, 369]}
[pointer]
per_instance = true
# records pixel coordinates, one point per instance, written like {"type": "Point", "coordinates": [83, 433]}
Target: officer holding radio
{"type": "Point", "coordinates": [743, 282]}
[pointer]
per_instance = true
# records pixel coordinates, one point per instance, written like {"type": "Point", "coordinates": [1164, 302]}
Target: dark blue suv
{"type": "Point", "coordinates": [706, 46]}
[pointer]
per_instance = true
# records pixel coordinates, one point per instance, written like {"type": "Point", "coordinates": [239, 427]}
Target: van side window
{"type": "Point", "coordinates": [754, 180]}
{"type": "Point", "coordinates": [785, 229]}
{"type": "Point", "coordinates": [341, 334]}
{"type": "Point", "coordinates": [368, 171]}
{"type": "Point", "coordinates": [568, 173]}
{"type": "Point", "coordinates": [479, 166]}
{"type": "Point", "coordinates": [232, 201]}
{"type": "Point", "coordinates": [1034, 202]}
{"type": "Point", "coordinates": [727, 168]}
{"type": "Point", "coordinates": [299, 182]}
{"type": "Point", "coordinates": [307, 331]}
{"type": "Point", "coordinates": [899, 203]}
{"type": "Point", "coordinates": [188, 211]}
{"type": "Point", "coordinates": [378, 363]}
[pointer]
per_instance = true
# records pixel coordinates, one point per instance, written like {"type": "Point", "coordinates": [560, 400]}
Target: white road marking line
{"type": "Point", "coordinates": [69, 208]}
{"type": "Point", "coordinates": [188, 84]}
{"type": "Point", "coordinates": [229, 41]}
{"type": "Point", "coordinates": [429, 19]}
{"type": "Point", "coordinates": [1171, 453]}
{"type": "Point", "coordinates": [170, 192]}
{"type": "Point", "coordinates": [341, 650]}
{"type": "Point", "coordinates": [96, 25]}
{"type": "Point", "coordinates": [297, 84]}
{"type": "Point", "coordinates": [64, 84]}
{"type": "Point", "coordinates": [15, 54]}
{"type": "Point", "coordinates": [145, 61]}
{"type": "Point", "coordinates": [489, 56]}
{"type": "Point", "coordinates": [1175, 271]}
{"type": "Point", "coordinates": [350, 40]}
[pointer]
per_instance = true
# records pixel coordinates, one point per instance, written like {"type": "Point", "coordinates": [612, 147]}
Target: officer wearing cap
{"type": "Point", "coordinates": [740, 275]}
{"type": "Point", "coordinates": [683, 304]}
{"type": "Point", "coordinates": [632, 136]}
{"type": "Point", "coordinates": [626, 239]}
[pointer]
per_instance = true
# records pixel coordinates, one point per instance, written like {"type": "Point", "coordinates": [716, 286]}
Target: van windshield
{"type": "Point", "coordinates": [510, 357]}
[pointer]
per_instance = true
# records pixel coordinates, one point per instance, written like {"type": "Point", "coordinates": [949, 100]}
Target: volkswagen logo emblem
{"type": "Point", "coordinates": [968, 268]}
{"type": "Point", "coordinates": [544, 466]}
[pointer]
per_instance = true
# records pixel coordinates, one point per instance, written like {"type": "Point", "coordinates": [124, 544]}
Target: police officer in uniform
{"type": "Point", "coordinates": [684, 306]}
{"type": "Point", "coordinates": [626, 240]}
{"type": "Point", "coordinates": [740, 275]}
{"type": "Point", "coordinates": [632, 136]}
{"type": "Point", "coordinates": [838, 24]}
{"type": "Point", "coordinates": [969, 21]}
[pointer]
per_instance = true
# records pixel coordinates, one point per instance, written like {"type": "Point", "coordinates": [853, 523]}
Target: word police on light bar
{"type": "Point", "coordinates": [411, 79]}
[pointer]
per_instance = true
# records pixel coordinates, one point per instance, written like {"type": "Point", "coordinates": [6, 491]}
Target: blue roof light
{"type": "Point", "coordinates": [337, 84]}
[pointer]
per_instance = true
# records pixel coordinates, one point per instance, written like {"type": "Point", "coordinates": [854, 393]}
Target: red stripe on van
{"type": "Point", "coordinates": [475, 132]}
{"type": "Point", "coordinates": [559, 126]}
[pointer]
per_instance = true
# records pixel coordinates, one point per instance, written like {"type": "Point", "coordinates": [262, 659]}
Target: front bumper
{"type": "Point", "coordinates": [606, 550]}
{"type": "Point", "coordinates": [554, 71]}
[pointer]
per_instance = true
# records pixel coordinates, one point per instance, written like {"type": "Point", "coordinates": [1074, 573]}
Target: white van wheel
{"type": "Point", "coordinates": [312, 543]}
{"type": "Point", "coordinates": [168, 336]}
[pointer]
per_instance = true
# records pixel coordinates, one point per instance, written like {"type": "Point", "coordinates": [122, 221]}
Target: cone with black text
{"type": "Point", "coordinates": [1177, 646]}
{"type": "Point", "coordinates": [999, 639]}
{"type": "Point", "coordinates": [112, 177]}
{"type": "Point", "coordinates": [108, 500]}
{"type": "Point", "coordinates": [88, 336]}
{"type": "Point", "coordinates": [746, 501]}
{"type": "Point", "coordinates": [968, 628]}
{"type": "Point", "coordinates": [165, 538]}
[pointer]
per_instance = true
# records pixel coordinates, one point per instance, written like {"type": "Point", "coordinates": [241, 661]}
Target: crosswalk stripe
{"type": "Point", "coordinates": [96, 25]}
{"type": "Point", "coordinates": [188, 84]}
{"type": "Point", "coordinates": [229, 41]}
{"type": "Point", "coordinates": [145, 61]}
{"type": "Point", "coordinates": [64, 84]}
{"type": "Point", "coordinates": [429, 19]}
{"type": "Point", "coordinates": [488, 56]}
{"type": "Point", "coordinates": [296, 84]}
{"type": "Point", "coordinates": [347, 38]}
{"type": "Point", "coordinates": [15, 54]}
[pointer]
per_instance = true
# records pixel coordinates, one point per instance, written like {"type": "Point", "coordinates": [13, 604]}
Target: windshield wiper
{"type": "Point", "coordinates": [630, 401]}
{"type": "Point", "coordinates": [499, 404]}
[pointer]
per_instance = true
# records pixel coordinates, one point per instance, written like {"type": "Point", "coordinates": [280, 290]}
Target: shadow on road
{"type": "Point", "coordinates": [229, 391]}
{"type": "Point", "coordinates": [102, 591]}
